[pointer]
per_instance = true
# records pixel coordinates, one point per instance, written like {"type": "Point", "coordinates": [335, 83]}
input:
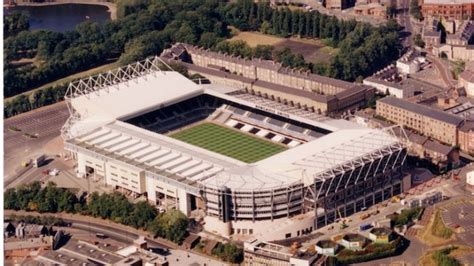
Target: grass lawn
{"type": "Point", "coordinates": [460, 251]}
{"type": "Point", "coordinates": [255, 38]}
{"type": "Point", "coordinates": [228, 142]}
{"type": "Point", "coordinates": [436, 233]}
{"type": "Point", "coordinates": [313, 50]}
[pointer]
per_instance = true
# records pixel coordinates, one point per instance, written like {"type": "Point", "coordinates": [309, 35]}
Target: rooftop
{"type": "Point", "coordinates": [326, 244]}
{"type": "Point", "coordinates": [61, 257]}
{"type": "Point", "coordinates": [423, 110]}
{"type": "Point", "coordinates": [90, 252]}
{"type": "Point", "coordinates": [438, 147]}
{"type": "Point", "coordinates": [467, 75]}
{"type": "Point", "coordinates": [354, 238]}
{"type": "Point", "coordinates": [381, 231]}
{"type": "Point", "coordinates": [29, 243]}
{"type": "Point", "coordinates": [447, 2]}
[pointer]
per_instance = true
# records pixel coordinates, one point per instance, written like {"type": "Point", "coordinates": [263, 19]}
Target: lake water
{"type": "Point", "coordinates": [65, 17]}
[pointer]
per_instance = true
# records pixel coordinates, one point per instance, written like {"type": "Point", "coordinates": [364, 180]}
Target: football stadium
{"type": "Point", "coordinates": [248, 165]}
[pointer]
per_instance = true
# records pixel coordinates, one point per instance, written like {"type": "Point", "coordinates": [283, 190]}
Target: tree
{"type": "Point", "coordinates": [11, 199]}
{"type": "Point", "coordinates": [418, 41]}
{"type": "Point", "coordinates": [141, 215]}
{"type": "Point", "coordinates": [263, 52]}
{"type": "Point", "coordinates": [185, 34]}
{"type": "Point", "coordinates": [208, 40]}
{"type": "Point", "coordinates": [15, 22]}
{"type": "Point", "coordinates": [170, 225]}
{"type": "Point", "coordinates": [228, 252]}
{"type": "Point", "coordinates": [391, 10]}
{"type": "Point", "coordinates": [415, 10]}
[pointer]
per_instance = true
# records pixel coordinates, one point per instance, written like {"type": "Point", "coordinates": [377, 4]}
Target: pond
{"type": "Point", "coordinates": [63, 17]}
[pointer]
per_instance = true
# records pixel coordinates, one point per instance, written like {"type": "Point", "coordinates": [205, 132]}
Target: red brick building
{"type": "Point", "coordinates": [449, 9]}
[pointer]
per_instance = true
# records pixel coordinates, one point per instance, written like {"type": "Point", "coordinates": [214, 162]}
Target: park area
{"type": "Point", "coordinates": [228, 142]}
{"type": "Point", "coordinates": [313, 50]}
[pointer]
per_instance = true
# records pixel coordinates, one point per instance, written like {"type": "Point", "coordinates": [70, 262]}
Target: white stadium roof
{"type": "Point", "coordinates": [94, 126]}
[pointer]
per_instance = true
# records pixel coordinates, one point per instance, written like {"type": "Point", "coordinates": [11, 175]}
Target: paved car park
{"type": "Point", "coordinates": [44, 123]}
{"type": "Point", "coordinates": [461, 214]}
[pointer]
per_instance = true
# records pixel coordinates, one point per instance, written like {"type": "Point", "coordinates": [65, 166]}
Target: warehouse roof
{"type": "Point", "coordinates": [423, 110]}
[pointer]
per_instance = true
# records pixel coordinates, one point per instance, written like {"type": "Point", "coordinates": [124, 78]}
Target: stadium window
{"type": "Point", "coordinates": [123, 177]}
{"type": "Point", "coordinates": [113, 167]}
{"type": "Point", "coordinates": [114, 174]}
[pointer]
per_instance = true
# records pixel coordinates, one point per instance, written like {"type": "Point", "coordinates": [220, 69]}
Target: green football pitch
{"type": "Point", "coordinates": [228, 142]}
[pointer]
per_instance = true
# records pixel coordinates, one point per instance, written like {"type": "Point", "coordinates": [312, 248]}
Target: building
{"type": "Point", "coordinates": [8, 229]}
{"type": "Point", "coordinates": [26, 247]}
{"type": "Point", "coordinates": [453, 9]}
{"type": "Point", "coordinates": [466, 80]}
{"type": "Point", "coordinates": [388, 80]}
{"type": "Point", "coordinates": [470, 181]}
{"type": "Point", "coordinates": [85, 251]}
{"type": "Point", "coordinates": [51, 257]}
{"type": "Point", "coordinates": [372, 9]}
{"type": "Point", "coordinates": [257, 252]}
{"type": "Point", "coordinates": [314, 92]}
{"type": "Point", "coordinates": [354, 241]}
{"type": "Point", "coordinates": [30, 230]}
{"type": "Point", "coordinates": [442, 156]}
{"type": "Point", "coordinates": [459, 45]}
{"type": "Point", "coordinates": [339, 4]}
{"type": "Point", "coordinates": [410, 62]}
{"type": "Point", "coordinates": [432, 38]}
{"type": "Point", "coordinates": [382, 235]}
{"type": "Point", "coordinates": [327, 166]}
{"type": "Point", "coordinates": [327, 247]}
{"type": "Point", "coordinates": [466, 137]}
{"type": "Point", "coordinates": [428, 121]}
{"type": "Point", "coordinates": [425, 200]}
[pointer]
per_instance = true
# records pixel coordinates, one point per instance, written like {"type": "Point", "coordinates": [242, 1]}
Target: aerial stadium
{"type": "Point", "coordinates": [250, 165]}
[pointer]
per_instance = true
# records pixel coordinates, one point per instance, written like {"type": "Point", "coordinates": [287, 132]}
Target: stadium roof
{"type": "Point", "coordinates": [148, 92]}
{"type": "Point", "coordinates": [128, 91]}
{"type": "Point", "coordinates": [327, 152]}
{"type": "Point", "coordinates": [96, 130]}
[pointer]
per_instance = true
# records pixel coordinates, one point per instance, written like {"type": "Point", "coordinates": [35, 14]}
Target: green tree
{"type": "Point", "coordinates": [15, 22]}
{"type": "Point", "coordinates": [415, 10]}
{"type": "Point", "coordinates": [170, 225]}
{"type": "Point", "coordinates": [418, 41]}
{"type": "Point", "coordinates": [141, 215]}
{"type": "Point", "coordinates": [11, 200]}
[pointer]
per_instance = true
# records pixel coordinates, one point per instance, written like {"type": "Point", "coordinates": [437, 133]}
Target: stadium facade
{"type": "Point", "coordinates": [120, 133]}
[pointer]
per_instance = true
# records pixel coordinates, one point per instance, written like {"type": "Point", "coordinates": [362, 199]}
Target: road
{"type": "Point", "coordinates": [443, 69]}
{"type": "Point", "coordinates": [124, 234]}
{"type": "Point", "coordinates": [405, 22]}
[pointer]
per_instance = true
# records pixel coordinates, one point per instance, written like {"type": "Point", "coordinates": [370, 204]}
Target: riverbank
{"type": "Point", "coordinates": [112, 8]}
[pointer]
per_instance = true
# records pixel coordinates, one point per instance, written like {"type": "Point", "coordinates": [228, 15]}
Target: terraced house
{"type": "Point", "coordinates": [272, 80]}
